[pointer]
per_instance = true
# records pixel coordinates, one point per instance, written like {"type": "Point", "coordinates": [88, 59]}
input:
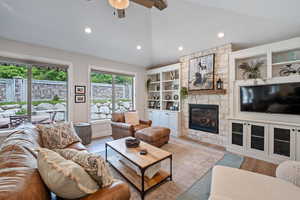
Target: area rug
{"type": "Point", "coordinates": [200, 190]}
{"type": "Point", "coordinates": [191, 161]}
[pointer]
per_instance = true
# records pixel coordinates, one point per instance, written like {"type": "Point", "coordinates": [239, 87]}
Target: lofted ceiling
{"type": "Point", "coordinates": [193, 24]}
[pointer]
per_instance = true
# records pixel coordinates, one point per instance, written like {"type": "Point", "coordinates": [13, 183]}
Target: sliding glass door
{"type": "Point", "coordinates": [32, 93]}
{"type": "Point", "coordinates": [110, 93]}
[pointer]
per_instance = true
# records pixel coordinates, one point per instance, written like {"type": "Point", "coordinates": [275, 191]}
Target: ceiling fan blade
{"type": "Point", "coordinates": [146, 3]}
{"type": "Point", "coordinates": [161, 4]}
{"type": "Point", "coordinates": [121, 13]}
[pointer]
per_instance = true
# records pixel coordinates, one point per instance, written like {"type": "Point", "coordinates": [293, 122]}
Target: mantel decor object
{"type": "Point", "coordinates": [219, 84]}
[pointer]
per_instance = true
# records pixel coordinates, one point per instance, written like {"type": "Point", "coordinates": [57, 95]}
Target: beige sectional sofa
{"type": "Point", "coordinates": [236, 184]}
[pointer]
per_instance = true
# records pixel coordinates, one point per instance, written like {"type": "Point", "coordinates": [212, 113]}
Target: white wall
{"type": "Point", "coordinates": [79, 75]}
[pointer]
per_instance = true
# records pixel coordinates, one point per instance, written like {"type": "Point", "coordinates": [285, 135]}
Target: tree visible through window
{"type": "Point", "coordinates": [47, 101]}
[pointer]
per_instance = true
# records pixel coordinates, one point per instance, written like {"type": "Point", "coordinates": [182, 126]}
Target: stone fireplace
{"type": "Point", "coordinates": [214, 132]}
{"type": "Point", "coordinates": [204, 118]}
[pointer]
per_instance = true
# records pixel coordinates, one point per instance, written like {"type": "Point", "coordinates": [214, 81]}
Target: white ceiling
{"type": "Point", "coordinates": [194, 24]}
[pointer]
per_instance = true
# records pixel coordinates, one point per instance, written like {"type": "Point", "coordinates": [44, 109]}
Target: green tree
{"type": "Point", "coordinates": [12, 71]}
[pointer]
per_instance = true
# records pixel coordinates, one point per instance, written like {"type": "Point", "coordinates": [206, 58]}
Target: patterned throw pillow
{"type": "Point", "coordinates": [58, 136]}
{"type": "Point", "coordinates": [93, 164]}
{"type": "Point", "coordinates": [132, 118]}
{"type": "Point", "coordinates": [64, 177]}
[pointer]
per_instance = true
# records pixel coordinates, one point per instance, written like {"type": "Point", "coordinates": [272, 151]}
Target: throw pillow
{"type": "Point", "coordinates": [289, 171]}
{"type": "Point", "coordinates": [64, 177]}
{"type": "Point", "coordinates": [93, 164]}
{"type": "Point", "coordinates": [132, 118]}
{"type": "Point", "coordinates": [58, 136]}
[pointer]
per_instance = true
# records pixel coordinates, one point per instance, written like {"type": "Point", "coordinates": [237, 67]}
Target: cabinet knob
{"type": "Point", "coordinates": [245, 124]}
{"type": "Point", "coordinates": [248, 124]}
{"type": "Point", "coordinates": [293, 129]}
{"type": "Point", "coordinates": [298, 130]}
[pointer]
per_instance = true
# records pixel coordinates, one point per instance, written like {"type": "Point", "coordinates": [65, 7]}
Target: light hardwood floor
{"type": "Point", "coordinates": [249, 164]}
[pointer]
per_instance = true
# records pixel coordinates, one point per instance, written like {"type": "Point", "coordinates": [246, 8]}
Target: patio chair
{"type": "Point", "coordinates": [18, 120]}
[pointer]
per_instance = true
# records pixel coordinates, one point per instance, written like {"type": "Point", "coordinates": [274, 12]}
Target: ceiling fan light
{"type": "Point", "coordinates": [119, 4]}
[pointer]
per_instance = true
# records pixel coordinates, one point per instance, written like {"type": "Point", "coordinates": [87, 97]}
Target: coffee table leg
{"type": "Point", "coordinates": [143, 185]}
{"type": "Point", "coordinates": [171, 171]}
{"type": "Point", "coordinates": [106, 152]}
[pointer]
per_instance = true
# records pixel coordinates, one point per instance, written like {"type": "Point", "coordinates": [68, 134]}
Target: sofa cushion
{"type": "Point", "coordinates": [132, 118]}
{"type": "Point", "coordinates": [19, 177]}
{"type": "Point", "coordinates": [118, 117]}
{"type": "Point", "coordinates": [93, 164]}
{"type": "Point", "coordinates": [58, 136]}
{"type": "Point", "coordinates": [236, 184]}
{"type": "Point", "coordinates": [64, 177]}
{"type": "Point", "coordinates": [140, 127]}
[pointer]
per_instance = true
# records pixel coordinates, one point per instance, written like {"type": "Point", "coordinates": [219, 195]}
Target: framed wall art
{"type": "Point", "coordinates": [201, 73]}
{"type": "Point", "coordinates": [80, 99]}
{"type": "Point", "coordinates": [79, 90]}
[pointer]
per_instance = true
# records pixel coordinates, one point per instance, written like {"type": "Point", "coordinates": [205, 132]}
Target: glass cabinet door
{"type": "Point", "coordinates": [282, 142]}
{"type": "Point", "coordinates": [257, 137]}
{"type": "Point", "coordinates": [237, 131]}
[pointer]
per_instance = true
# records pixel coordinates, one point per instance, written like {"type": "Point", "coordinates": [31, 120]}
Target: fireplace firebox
{"type": "Point", "coordinates": [204, 118]}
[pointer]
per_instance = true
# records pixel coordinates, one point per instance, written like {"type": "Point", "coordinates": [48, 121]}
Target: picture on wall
{"type": "Point", "coordinates": [201, 73]}
{"type": "Point", "coordinates": [79, 98]}
{"type": "Point", "coordinates": [80, 90]}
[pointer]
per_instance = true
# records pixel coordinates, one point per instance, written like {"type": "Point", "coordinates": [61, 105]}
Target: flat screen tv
{"type": "Point", "coordinates": [275, 98]}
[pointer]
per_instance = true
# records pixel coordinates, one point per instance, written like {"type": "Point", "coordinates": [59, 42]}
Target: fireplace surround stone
{"type": "Point", "coordinates": [221, 100]}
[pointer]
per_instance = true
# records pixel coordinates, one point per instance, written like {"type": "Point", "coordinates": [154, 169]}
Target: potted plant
{"type": "Point", "coordinates": [148, 82]}
{"type": "Point", "coordinates": [184, 92]}
{"type": "Point", "coordinates": [252, 70]}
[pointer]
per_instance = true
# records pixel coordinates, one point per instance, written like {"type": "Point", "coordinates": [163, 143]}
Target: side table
{"type": "Point", "coordinates": [84, 131]}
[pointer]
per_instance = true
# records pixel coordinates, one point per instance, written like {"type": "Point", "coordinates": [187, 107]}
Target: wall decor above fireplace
{"type": "Point", "coordinates": [201, 73]}
{"type": "Point", "coordinates": [204, 118]}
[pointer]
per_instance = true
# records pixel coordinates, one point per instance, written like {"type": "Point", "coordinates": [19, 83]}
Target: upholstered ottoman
{"type": "Point", "coordinates": [157, 136]}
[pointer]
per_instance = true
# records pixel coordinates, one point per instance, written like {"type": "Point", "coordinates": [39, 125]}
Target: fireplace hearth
{"type": "Point", "coordinates": [204, 118]}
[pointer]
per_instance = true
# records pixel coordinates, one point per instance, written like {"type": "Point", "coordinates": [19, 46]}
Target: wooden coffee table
{"type": "Point", "coordinates": [143, 162]}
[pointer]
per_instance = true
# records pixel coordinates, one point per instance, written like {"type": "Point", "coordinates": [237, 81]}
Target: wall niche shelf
{"type": "Point", "coordinates": [207, 92]}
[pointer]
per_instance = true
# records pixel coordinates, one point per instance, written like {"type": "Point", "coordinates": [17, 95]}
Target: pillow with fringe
{"type": "Point", "coordinates": [64, 177]}
{"type": "Point", "coordinates": [93, 164]}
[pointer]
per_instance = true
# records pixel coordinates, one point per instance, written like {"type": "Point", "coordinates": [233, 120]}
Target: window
{"type": "Point", "coordinates": [32, 92]}
{"type": "Point", "coordinates": [110, 93]}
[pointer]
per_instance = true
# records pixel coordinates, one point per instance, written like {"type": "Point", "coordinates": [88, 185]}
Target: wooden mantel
{"type": "Point", "coordinates": [207, 92]}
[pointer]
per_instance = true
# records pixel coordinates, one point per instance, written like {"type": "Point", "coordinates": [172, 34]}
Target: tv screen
{"type": "Point", "coordinates": [275, 98]}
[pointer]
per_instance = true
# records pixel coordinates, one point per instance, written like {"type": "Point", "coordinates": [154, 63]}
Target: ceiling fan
{"type": "Point", "coordinates": [121, 5]}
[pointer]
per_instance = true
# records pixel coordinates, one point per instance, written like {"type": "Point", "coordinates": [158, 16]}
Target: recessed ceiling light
{"type": "Point", "coordinates": [88, 30]}
{"type": "Point", "coordinates": [180, 48]}
{"type": "Point", "coordinates": [221, 35]}
{"type": "Point", "coordinates": [138, 47]}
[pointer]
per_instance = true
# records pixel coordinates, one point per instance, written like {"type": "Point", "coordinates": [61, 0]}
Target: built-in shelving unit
{"type": "Point", "coordinates": [270, 137]}
{"type": "Point", "coordinates": [163, 105]}
{"type": "Point", "coordinates": [164, 87]}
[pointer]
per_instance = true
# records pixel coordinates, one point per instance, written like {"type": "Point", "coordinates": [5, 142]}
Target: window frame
{"type": "Point", "coordinates": [113, 73]}
{"type": "Point", "coordinates": [42, 63]}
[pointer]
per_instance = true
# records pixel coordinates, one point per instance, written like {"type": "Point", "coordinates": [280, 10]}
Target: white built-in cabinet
{"type": "Point", "coordinates": [269, 137]}
{"type": "Point", "coordinates": [167, 119]}
{"type": "Point", "coordinates": [163, 97]}
{"type": "Point", "coordinates": [270, 142]}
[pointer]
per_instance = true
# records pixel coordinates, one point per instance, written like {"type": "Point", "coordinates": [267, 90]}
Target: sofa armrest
{"type": "Point", "coordinates": [121, 125]}
{"type": "Point", "coordinates": [146, 122]}
{"type": "Point", "coordinates": [117, 191]}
